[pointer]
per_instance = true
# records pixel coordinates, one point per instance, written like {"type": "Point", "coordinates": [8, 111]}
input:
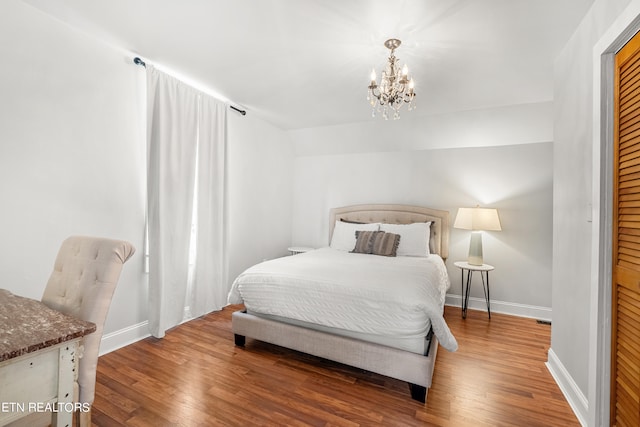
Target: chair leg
{"type": "Point", "coordinates": [84, 418]}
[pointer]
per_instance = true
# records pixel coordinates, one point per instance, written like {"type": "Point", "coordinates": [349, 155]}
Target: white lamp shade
{"type": "Point", "coordinates": [477, 219]}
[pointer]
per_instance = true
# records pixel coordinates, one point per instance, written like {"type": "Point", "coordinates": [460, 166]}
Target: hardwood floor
{"type": "Point", "coordinates": [196, 376]}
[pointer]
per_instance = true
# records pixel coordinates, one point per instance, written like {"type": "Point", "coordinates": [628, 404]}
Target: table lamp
{"type": "Point", "coordinates": [477, 220]}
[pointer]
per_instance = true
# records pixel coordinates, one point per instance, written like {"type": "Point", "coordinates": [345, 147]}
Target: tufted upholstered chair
{"type": "Point", "coordinates": [82, 283]}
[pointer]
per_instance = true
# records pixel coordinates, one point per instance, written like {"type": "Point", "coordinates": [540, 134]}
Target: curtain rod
{"type": "Point", "coordinates": [139, 61]}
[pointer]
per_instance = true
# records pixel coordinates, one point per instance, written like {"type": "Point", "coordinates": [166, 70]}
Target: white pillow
{"type": "Point", "coordinates": [414, 238]}
{"type": "Point", "coordinates": [344, 234]}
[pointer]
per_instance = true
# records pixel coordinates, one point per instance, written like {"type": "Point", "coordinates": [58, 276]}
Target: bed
{"type": "Point", "coordinates": [364, 325]}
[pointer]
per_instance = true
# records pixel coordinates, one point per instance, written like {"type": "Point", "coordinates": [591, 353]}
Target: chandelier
{"type": "Point", "coordinates": [395, 88]}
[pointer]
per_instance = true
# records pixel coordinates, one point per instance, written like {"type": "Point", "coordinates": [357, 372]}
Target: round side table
{"type": "Point", "coordinates": [484, 270]}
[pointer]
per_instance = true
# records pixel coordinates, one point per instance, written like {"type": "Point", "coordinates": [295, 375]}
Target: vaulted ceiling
{"type": "Point", "coordinates": [306, 63]}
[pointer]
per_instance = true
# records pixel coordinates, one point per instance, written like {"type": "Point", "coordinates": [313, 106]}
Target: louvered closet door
{"type": "Point", "coordinates": [625, 351]}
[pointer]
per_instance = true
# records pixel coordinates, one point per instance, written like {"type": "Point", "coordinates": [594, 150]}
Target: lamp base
{"type": "Point", "coordinates": [475, 249]}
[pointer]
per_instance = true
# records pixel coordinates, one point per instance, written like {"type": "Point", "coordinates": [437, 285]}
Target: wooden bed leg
{"type": "Point", "coordinates": [239, 340]}
{"type": "Point", "coordinates": [418, 392]}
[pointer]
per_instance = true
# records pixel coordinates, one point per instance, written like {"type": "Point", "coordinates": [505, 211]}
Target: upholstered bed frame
{"type": "Point", "coordinates": [414, 368]}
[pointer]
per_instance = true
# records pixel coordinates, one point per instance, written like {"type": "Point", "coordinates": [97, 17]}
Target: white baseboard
{"type": "Point", "coordinates": [118, 339]}
{"type": "Point", "coordinates": [512, 308]}
{"type": "Point", "coordinates": [569, 388]}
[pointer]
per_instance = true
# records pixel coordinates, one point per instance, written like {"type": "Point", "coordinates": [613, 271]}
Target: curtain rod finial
{"type": "Point", "coordinates": [243, 112]}
{"type": "Point", "coordinates": [139, 61]}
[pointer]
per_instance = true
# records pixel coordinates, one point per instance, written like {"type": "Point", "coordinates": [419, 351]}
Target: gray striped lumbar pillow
{"type": "Point", "coordinates": [376, 243]}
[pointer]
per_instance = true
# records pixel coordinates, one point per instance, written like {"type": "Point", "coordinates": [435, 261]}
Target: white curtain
{"type": "Point", "coordinates": [186, 132]}
{"type": "Point", "coordinates": [209, 286]}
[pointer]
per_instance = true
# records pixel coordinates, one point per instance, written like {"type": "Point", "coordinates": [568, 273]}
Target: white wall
{"type": "Point", "coordinates": [72, 153]}
{"type": "Point", "coordinates": [513, 124]}
{"type": "Point", "coordinates": [516, 179]}
{"type": "Point", "coordinates": [579, 356]}
{"type": "Point", "coordinates": [260, 184]}
{"type": "Point", "coordinates": [73, 161]}
{"type": "Point", "coordinates": [572, 213]}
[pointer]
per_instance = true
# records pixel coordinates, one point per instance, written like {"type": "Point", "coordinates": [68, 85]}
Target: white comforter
{"type": "Point", "coordinates": [389, 296]}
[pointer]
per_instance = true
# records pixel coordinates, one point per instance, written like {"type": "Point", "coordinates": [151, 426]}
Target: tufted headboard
{"type": "Point", "coordinates": [399, 214]}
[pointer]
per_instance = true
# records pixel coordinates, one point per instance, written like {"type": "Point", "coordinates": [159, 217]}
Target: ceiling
{"type": "Point", "coordinates": [306, 63]}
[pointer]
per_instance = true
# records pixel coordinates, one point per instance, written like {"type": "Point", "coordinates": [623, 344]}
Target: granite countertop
{"type": "Point", "coordinates": [27, 325]}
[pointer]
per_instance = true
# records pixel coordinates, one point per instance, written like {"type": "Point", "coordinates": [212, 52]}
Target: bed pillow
{"type": "Point", "coordinates": [344, 234]}
{"type": "Point", "coordinates": [364, 241]}
{"type": "Point", "coordinates": [385, 244]}
{"type": "Point", "coordinates": [414, 238]}
{"type": "Point", "coordinates": [376, 243]}
{"type": "Point", "coordinates": [351, 222]}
